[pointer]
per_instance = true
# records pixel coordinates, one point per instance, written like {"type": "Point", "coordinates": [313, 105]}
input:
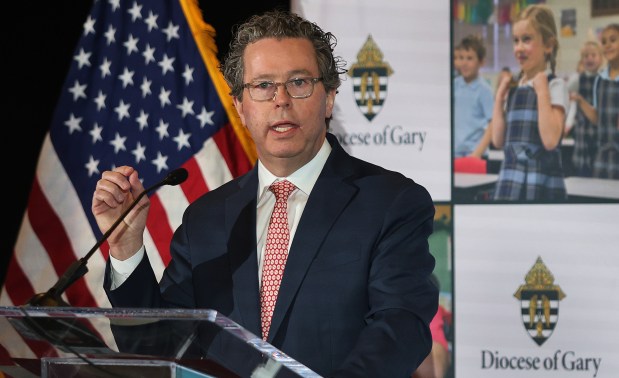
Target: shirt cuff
{"type": "Point", "coordinates": [122, 269]}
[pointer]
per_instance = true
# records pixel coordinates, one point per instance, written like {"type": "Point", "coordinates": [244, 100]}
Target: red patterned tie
{"type": "Point", "coordinates": [275, 253]}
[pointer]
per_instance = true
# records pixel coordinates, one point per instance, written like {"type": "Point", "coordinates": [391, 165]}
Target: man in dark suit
{"type": "Point", "coordinates": [356, 298]}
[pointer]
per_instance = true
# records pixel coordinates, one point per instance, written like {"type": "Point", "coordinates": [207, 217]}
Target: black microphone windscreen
{"type": "Point", "coordinates": [177, 176]}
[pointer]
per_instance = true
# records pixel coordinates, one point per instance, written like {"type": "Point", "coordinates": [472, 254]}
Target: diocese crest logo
{"type": "Point", "coordinates": [369, 75]}
{"type": "Point", "coordinates": [539, 302]}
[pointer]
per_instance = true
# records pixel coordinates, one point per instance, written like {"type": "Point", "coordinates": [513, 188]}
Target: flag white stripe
{"type": "Point", "coordinates": [174, 204]}
{"type": "Point", "coordinates": [213, 165]}
{"type": "Point", "coordinates": [33, 259]}
{"type": "Point", "coordinates": [5, 300]}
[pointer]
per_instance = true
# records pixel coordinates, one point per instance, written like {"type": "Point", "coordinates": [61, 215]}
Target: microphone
{"type": "Point", "coordinates": [78, 269]}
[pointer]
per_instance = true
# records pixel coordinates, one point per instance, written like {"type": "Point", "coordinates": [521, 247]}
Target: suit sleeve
{"type": "Point", "coordinates": [402, 297]}
{"type": "Point", "coordinates": [139, 290]}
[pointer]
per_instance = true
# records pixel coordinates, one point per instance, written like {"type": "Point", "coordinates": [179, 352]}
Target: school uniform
{"type": "Point", "coordinates": [584, 132]}
{"type": "Point", "coordinates": [606, 101]}
{"type": "Point", "coordinates": [528, 171]}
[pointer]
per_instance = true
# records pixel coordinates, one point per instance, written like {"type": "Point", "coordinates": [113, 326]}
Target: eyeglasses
{"type": "Point", "coordinates": [300, 87]}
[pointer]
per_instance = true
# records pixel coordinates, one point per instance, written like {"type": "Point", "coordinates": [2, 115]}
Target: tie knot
{"type": "Point", "coordinates": [282, 189]}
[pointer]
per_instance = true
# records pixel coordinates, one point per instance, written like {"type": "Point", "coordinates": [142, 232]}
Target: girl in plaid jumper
{"type": "Point", "coordinates": [583, 131]}
{"type": "Point", "coordinates": [604, 111]}
{"type": "Point", "coordinates": [528, 117]}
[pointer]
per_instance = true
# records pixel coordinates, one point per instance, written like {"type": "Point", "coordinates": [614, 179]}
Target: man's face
{"type": "Point", "coordinates": [288, 132]}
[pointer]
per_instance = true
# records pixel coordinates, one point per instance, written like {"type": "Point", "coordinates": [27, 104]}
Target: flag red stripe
{"type": "Point", "coordinates": [231, 149]}
{"type": "Point", "coordinates": [195, 186]}
{"type": "Point", "coordinates": [5, 358]}
{"type": "Point", "coordinates": [159, 228]}
{"type": "Point", "coordinates": [17, 285]}
{"type": "Point", "coordinates": [48, 228]}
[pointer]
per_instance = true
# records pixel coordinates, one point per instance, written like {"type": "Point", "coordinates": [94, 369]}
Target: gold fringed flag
{"type": "Point", "coordinates": [144, 90]}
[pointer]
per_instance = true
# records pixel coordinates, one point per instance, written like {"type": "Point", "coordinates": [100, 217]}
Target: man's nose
{"type": "Point", "coordinates": [281, 95]}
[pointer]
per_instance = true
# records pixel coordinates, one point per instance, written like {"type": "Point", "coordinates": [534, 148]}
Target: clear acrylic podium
{"type": "Point", "coordinates": [113, 342]}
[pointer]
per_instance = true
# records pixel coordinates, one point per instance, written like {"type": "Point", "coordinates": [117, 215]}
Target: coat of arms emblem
{"type": "Point", "coordinates": [369, 75]}
{"type": "Point", "coordinates": [539, 302]}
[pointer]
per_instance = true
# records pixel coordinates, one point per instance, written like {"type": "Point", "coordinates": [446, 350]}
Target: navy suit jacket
{"type": "Point", "coordinates": [356, 297]}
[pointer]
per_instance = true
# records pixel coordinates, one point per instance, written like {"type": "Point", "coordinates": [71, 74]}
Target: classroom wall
{"type": "Point", "coordinates": [587, 28]}
{"type": "Point", "coordinates": [499, 45]}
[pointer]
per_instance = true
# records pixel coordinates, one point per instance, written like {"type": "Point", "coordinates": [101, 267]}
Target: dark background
{"type": "Point", "coordinates": [38, 39]}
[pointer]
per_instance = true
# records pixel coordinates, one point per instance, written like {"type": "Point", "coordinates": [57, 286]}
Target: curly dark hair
{"type": "Point", "coordinates": [281, 24]}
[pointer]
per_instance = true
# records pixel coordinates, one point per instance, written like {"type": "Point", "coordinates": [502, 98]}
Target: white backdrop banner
{"type": "Point", "coordinates": [394, 108]}
{"type": "Point", "coordinates": [536, 290]}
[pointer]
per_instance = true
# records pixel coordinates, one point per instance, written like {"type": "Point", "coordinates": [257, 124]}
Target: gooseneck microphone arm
{"type": "Point", "coordinates": [78, 268]}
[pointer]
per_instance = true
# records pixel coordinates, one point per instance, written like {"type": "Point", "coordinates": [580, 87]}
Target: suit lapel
{"type": "Point", "coordinates": [240, 226]}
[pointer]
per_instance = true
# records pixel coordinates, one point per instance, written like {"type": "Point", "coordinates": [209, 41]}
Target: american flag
{"type": "Point", "coordinates": [144, 90]}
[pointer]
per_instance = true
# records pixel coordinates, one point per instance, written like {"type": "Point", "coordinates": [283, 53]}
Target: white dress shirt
{"type": "Point", "coordinates": [304, 179]}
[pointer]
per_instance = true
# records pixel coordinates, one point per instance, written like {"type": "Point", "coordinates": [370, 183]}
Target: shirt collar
{"type": "Point", "coordinates": [473, 84]}
{"type": "Point", "coordinates": [548, 71]}
{"type": "Point", "coordinates": [605, 74]}
{"type": "Point", "coordinates": [303, 178]}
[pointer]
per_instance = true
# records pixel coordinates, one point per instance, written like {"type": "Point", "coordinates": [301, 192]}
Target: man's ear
{"type": "Point", "coordinates": [238, 105]}
{"type": "Point", "coordinates": [329, 102]}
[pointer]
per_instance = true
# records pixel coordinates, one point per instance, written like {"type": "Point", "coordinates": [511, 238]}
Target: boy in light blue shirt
{"type": "Point", "coordinates": [473, 101]}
